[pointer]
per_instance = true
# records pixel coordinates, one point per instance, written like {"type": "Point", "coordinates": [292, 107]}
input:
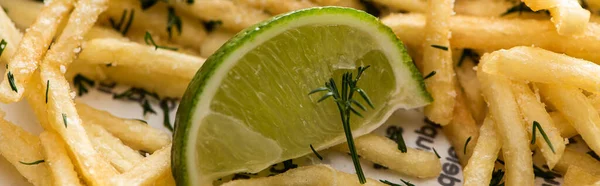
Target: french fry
{"type": "Point", "coordinates": [577, 110]}
{"type": "Point", "coordinates": [539, 65]}
{"type": "Point", "coordinates": [576, 176]}
{"type": "Point", "coordinates": [356, 4]}
{"type": "Point", "coordinates": [154, 20]}
{"type": "Point", "coordinates": [166, 179]}
{"type": "Point", "coordinates": [18, 145]}
{"type": "Point", "coordinates": [534, 111]}
{"type": "Point", "coordinates": [234, 17]}
{"type": "Point", "coordinates": [501, 34]}
{"type": "Point", "coordinates": [594, 99]}
{"type": "Point", "coordinates": [60, 166]}
{"type": "Point", "coordinates": [467, 78]}
{"type": "Point", "coordinates": [10, 34]}
{"type": "Point", "coordinates": [136, 134]}
{"type": "Point", "coordinates": [120, 156]}
{"type": "Point", "coordinates": [481, 165]}
{"type": "Point", "coordinates": [441, 86]}
{"type": "Point", "coordinates": [22, 12]}
{"type": "Point", "coordinates": [147, 171]}
{"type": "Point", "coordinates": [98, 32]}
{"type": "Point", "coordinates": [62, 115]}
{"type": "Point", "coordinates": [510, 127]}
{"type": "Point", "coordinates": [36, 98]}
{"type": "Point", "coordinates": [461, 128]}
{"type": "Point", "coordinates": [564, 127]}
{"type": "Point", "coordinates": [378, 149]}
{"type": "Point", "coordinates": [571, 157]}
{"type": "Point", "coordinates": [31, 48]}
{"type": "Point", "coordinates": [213, 42]}
{"type": "Point", "coordinates": [406, 5]}
{"type": "Point", "coordinates": [318, 175]}
{"type": "Point", "coordinates": [277, 6]}
{"type": "Point", "coordinates": [483, 8]}
{"type": "Point", "coordinates": [569, 17]}
{"type": "Point", "coordinates": [326, 2]}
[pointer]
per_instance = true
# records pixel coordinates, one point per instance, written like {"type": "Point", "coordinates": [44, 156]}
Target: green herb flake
{"type": "Point", "coordinates": [81, 82]}
{"type": "Point", "coordinates": [47, 88]}
{"type": "Point", "coordinates": [315, 152]}
{"type": "Point", "coordinates": [466, 143]}
{"type": "Point", "coordinates": [594, 155]}
{"type": "Point", "coordinates": [149, 41]}
{"type": "Point", "coordinates": [400, 141]}
{"type": "Point", "coordinates": [538, 172]}
{"type": "Point", "coordinates": [173, 20]}
{"type": "Point", "coordinates": [147, 108]}
{"type": "Point", "coordinates": [497, 178]}
{"type": "Point", "coordinates": [436, 153]}
{"type": "Point", "coordinates": [346, 106]}
{"type": "Point", "coordinates": [32, 163]}
{"type": "Point", "coordinates": [539, 127]}
{"type": "Point", "coordinates": [164, 106]}
{"type": "Point", "coordinates": [64, 116]}
{"type": "Point", "coordinates": [445, 48]}
{"type": "Point", "coordinates": [407, 182]}
{"type": "Point", "coordinates": [11, 81]}
{"type": "Point", "coordinates": [3, 44]}
{"type": "Point", "coordinates": [123, 26]}
{"type": "Point", "coordinates": [212, 25]}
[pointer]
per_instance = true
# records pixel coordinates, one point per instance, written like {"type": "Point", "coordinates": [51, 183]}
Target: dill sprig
{"type": "Point", "coordinates": [3, 44]}
{"type": "Point", "coordinates": [212, 25]}
{"type": "Point", "coordinates": [32, 163]}
{"type": "Point", "coordinates": [287, 165]}
{"type": "Point", "coordinates": [497, 178]}
{"type": "Point", "coordinates": [436, 153]}
{"type": "Point", "coordinates": [400, 141]}
{"type": "Point", "coordinates": [173, 20]}
{"type": "Point", "coordinates": [431, 74]}
{"type": "Point", "coordinates": [445, 48]}
{"type": "Point", "coordinates": [147, 108]}
{"type": "Point", "coordinates": [47, 88]}
{"type": "Point", "coordinates": [166, 106]}
{"type": "Point", "coordinates": [316, 153]}
{"type": "Point", "coordinates": [11, 81]}
{"type": "Point", "coordinates": [345, 103]}
{"type": "Point", "coordinates": [123, 26]}
{"type": "Point", "coordinates": [594, 155]}
{"type": "Point", "coordinates": [64, 116]}
{"type": "Point", "coordinates": [538, 172]}
{"type": "Point", "coordinates": [80, 82]}
{"type": "Point", "coordinates": [537, 125]}
{"type": "Point", "coordinates": [466, 143]}
{"type": "Point", "coordinates": [149, 41]}
{"type": "Point", "coordinates": [467, 53]}
{"type": "Point", "coordinates": [407, 183]}
{"type": "Point", "coordinates": [139, 95]}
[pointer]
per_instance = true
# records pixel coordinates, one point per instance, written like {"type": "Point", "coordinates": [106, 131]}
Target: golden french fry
{"type": "Point", "coordinates": [481, 164]}
{"type": "Point", "coordinates": [576, 176]}
{"type": "Point", "coordinates": [467, 32]}
{"type": "Point", "coordinates": [539, 65]}
{"type": "Point", "coordinates": [155, 20]}
{"type": "Point", "coordinates": [277, 6]}
{"type": "Point", "coordinates": [378, 149]}
{"type": "Point", "coordinates": [234, 17]}
{"type": "Point", "coordinates": [134, 133]}
{"type": "Point", "coordinates": [406, 5]}
{"type": "Point", "coordinates": [561, 123]}
{"type": "Point", "coordinates": [213, 42]}
{"type": "Point", "coordinates": [317, 175]}
{"type": "Point", "coordinates": [569, 17]}
{"type": "Point", "coordinates": [534, 111]}
{"type": "Point", "coordinates": [467, 78]}
{"type": "Point", "coordinates": [510, 127]}
{"type": "Point", "coordinates": [10, 34]}
{"type": "Point", "coordinates": [436, 60]}
{"type": "Point", "coordinates": [572, 157]}
{"type": "Point", "coordinates": [60, 166]}
{"type": "Point", "coordinates": [31, 49]}
{"type": "Point", "coordinates": [356, 4]}
{"type": "Point", "coordinates": [20, 147]}
{"type": "Point", "coordinates": [462, 127]}
{"type": "Point", "coordinates": [573, 104]}
{"type": "Point", "coordinates": [484, 8]}
{"type": "Point", "coordinates": [120, 156]}
{"type": "Point", "coordinates": [22, 12]}
{"type": "Point", "coordinates": [148, 170]}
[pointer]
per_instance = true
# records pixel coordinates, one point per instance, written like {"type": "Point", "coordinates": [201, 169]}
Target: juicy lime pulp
{"type": "Point", "coordinates": [248, 108]}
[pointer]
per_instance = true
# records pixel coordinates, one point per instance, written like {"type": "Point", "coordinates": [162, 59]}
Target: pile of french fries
{"type": "Point", "coordinates": [501, 80]}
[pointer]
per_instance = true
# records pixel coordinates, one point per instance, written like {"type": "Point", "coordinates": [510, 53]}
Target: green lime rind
{"type": "Point", "coordinates": [198, 84]}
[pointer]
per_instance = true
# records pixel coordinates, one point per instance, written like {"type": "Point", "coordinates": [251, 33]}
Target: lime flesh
{"type": "Point", "coordinates": [247, 108]}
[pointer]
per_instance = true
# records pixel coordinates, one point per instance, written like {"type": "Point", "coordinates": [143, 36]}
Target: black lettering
{"type": "Point", "coordinates": [446, 180]}
{"type": "Point", "coordinates": [452, 156]}
{"type": "Point", "coordinates": [551, 181]}
{"type": "Point", "coordinates": [423, 146]}
{"type": "Point", "coordinates": [427, 130]}
{"type": "Point", "coordinates": [450, 168]}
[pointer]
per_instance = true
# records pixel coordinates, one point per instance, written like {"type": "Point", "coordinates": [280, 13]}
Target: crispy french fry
{"type": "Point", "coordinates": [166, 179]}
{"type": "Point", "coordinates": [213, 42]}
{"type": "Point", "coordinates": [481, 165]}
{"type": "Point", "coordinates": [584, 161]}
{"type": "Point", "coordinates": [356, 4]}
{"type": "Point", "coordinates": [120, 156]}
{"type": "Point", "coordinates": [155, 20]}
{"type": "Point", "coordinates": [18, 145]}
{"type": "Point", "coordinates": [575, 107]}
{"type": "Point", "coordinates": [539, 65]}
{"type": "Point", "coordinates": [31, 48]}
{"type": "Point", "coordinates": [136, 134]}
{"type": "Point", "coordinates": [10, 34]}
{"type": "Point", "coordinates": [98, 32]}
{"type": "Point", "coordinates": [277, 6]}
{"type": "Point", "coordinates": [484, 8]}
{"type": "Point", "coordinates": [510, 127]}
{"type": "Point", "coordinates": [147, 171]}
{"type": "Point", "coordinates": [576, 176]}
{"type": "Point", "coordinates": [441, 86]}
{"type": "Point", "coordinates": [317, 175]}
{"type": "Point", "coordinates": [406, 5]}
{"type": "Point", "coordinates": [378, 149]}
{"type": "Point", "coordinates": [594, 99]}
{"type": "Point", "coordinates": [534, 111]}
{"type": "Point", "coordinates": [467, 78]}
{"type": "Point", "coordinates": [60, 166]}
{"type": "Point", "coordinates": [501, 34]}
{"type": "Point", "coordinates": [234, 17]}
{"type": "Point", "coordinates": [22, 12]}
{"type": "Point", "coordinates": [564, 127]}
{"type": "Point", "coordinates": [569, 17]}
{"type": "Point", "coordinates": [462, 127]}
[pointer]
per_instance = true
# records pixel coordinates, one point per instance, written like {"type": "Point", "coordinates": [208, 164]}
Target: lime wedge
{"type": "Point", "coordinates": [248, 106]}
